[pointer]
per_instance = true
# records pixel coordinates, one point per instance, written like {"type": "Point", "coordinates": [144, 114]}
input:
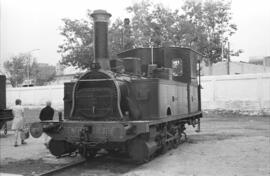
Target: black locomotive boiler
{"type": "Point", "coordinates": [137, 104]}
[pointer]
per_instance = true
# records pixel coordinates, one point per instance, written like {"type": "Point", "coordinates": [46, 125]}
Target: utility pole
{"type": "Point", "coordinates": [28, 64]}
{"type": "Point", "coordinates": [222, 51]}
{"type": "Point", "coordinates": [228, 59]}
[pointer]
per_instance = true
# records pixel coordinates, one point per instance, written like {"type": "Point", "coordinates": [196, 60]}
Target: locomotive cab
{"type": "Point", "coordinates": [172, 85]}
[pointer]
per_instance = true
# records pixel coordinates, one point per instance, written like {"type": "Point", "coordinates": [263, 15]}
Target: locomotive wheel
{"type": "Point", "coordinates": [57, 148]}
{"type": "Point", "coordinates": [176, 142]}
{"type": "Point", "coordinates": [164, 148]}
{"type": "Point", "coordinates": [5, 128]}
{"type": "Point", "coordinates": [138, 151]}
{"type": "Point", "coordinates": [114, 152]}
{"type": "Point", "coordinates": [60, 147]}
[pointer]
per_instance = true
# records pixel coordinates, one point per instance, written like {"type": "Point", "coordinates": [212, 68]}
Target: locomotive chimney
{"type": "Point", "coordinates": [101, 54]}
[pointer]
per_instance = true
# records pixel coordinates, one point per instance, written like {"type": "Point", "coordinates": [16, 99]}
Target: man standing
{"type": "Point", "coordinates": [46, 114]}
{"type": "Point", "coordinates": [18, 122]}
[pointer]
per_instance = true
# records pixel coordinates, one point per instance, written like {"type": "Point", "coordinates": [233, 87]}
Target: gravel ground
{"type": "Point", "coordinates": [228, 145]}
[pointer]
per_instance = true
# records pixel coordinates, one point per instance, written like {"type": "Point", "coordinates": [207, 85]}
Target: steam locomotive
{"type": "Point", "coordinates": [5, 114]}
{"type": "Point", "coordinates": [137, 104]}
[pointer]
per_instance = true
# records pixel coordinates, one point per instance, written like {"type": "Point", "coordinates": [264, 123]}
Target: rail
{"type": "Point", "coordinates": [61, 169]}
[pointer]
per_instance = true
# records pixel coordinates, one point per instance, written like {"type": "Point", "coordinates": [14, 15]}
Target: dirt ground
{"type": "Point", "coordinates": [228, 145]}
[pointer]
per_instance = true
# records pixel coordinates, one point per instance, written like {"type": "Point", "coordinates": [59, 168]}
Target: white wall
{"type": "Point", "coordinates": [36, 96]}
{"type": "Point", "coordinates": [246, 93]}
{"type": "Point", "coordinates": [220, 68]}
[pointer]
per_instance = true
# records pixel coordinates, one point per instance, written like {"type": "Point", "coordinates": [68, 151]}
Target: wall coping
{"type": "Point", "coordinates": [235, 77]}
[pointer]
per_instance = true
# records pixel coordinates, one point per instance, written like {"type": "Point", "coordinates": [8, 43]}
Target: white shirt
{"type": "Point", "coordinates": [18, 111]}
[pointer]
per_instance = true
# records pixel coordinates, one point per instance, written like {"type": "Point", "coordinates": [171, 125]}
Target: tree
{"type": "Point", "coordinates": [152, 24]}
{"type": "Point", "coordinates": [140, 23]}
{"type": "Point", "coordinates": [18, 68]}
{"type": "Point", "coordinates": [212, 25]}
{"type": "Point", "coordinates": [120, 37]}
{"type": "Point", "coordinates": [166, 26]}
{"type": "Point", "coordinates": [160, 26]}
{"type": "Point", "coordinates": [77, 47]}
{"type": "Point", "coordinates": [46, 73]}
{"type": "Point", "coordinates": [128, 39]}
{"type": "Point", "coordinates": [204, 26]}
{"type": "Point", "coordinates": [116, 35]}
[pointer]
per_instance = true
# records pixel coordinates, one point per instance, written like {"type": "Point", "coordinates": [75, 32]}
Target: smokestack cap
{"type": "Point", "coordinates": [100, 16]}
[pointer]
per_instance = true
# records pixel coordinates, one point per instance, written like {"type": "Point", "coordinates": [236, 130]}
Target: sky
{"type": "Point", "coordinates": [33, 25]}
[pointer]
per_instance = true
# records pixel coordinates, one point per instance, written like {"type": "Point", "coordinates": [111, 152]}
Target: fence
{"type": "Point", "coordinates": [246, 93]}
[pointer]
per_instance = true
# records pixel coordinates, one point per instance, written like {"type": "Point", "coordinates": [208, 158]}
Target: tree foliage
{"type": "Point", "coordinates": [155, 25]}
{"type": "Point", "coordinates": [212, 26]}
{"type": "Point", "coordinates": [120, 37]}
{"type": "Point", "coordinates": [16, 69]}
{"type": "Point", "coordinates": [45, 74]}
{"type": "Point", "coordinates": [202, 25]}
{"type": "Point", "coordinates": [77, 47]}
{"type": "Point", "coordinates": [116, 37]}
{"type": "Point", "coordinates": [18, 66]}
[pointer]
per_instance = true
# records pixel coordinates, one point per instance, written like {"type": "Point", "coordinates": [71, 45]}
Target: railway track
{"type": "Point", "coordinates": [62, 169]}
{"type": "Point", "coordinates": [102, 164]}
{"type": "Point", "coordinates": [111, 161]}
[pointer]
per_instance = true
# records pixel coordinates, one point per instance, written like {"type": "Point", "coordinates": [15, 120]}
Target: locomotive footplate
{"type": "Point", "coordinates": [105, 131]}
{"type": "Point", "coordinates": [102, 132]}
{"type": "Point", "coordinates": [90, 131]}
{"type": "Point", "coordinates": [144, 137]}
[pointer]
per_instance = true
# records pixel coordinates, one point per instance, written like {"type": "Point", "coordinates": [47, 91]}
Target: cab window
{"type": "Point", "coordinates": [177, 67]}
